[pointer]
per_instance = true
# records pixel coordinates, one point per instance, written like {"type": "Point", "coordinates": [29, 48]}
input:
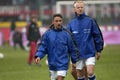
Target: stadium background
{"type": "Point", "coordinates": [107, 16]}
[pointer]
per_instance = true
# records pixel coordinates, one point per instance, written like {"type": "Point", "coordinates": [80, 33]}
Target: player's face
{"type": "Point", "coordinates": [79, 8]}
{"type": "Point", "coordinates": [57, 22]}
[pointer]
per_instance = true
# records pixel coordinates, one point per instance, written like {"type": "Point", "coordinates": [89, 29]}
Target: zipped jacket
{"type": "Point", "coordinates": [87, 35]}
{"type": "Point", "coordinates": [59, 47]}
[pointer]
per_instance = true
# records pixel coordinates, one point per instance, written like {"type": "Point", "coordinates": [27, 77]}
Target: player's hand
{"type": "Point", "coordinates": [98, 55]}
{"type": "Point", "coordinates": [37, 60]}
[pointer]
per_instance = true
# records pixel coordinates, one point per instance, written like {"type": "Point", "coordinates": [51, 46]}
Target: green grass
{"type": "Point", "coordinates": [14, 65]}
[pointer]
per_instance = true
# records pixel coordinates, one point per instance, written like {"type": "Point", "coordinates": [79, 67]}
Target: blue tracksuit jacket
{"type": "Point", "coordinates": [87, 35]}
{"type": "Point", "coordinates": [59, 47]}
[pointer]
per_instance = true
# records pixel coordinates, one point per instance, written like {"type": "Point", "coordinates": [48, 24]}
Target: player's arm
{"type": "Point", "coordinates": [72, 49]}
{"type": "Point", "coordinates": [42, 49]}
{"type": "Point", "coordinates": [97, 36]}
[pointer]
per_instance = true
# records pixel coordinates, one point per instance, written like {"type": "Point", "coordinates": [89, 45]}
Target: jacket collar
{"type": "Point", "coordinates": [79, 17]}
{"type": "Point", "coordinates": [60, 29]}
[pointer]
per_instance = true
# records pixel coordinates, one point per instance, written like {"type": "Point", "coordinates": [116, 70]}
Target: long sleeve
{"type": "Point", "coordinates": [42, 49]}
{"type": "Point", "coordinates": [98, 38]}
{"type": "Point", "coordinates": [73, 49]}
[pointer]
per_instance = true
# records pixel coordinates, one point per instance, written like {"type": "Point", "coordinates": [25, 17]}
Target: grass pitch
{"type": "Point", "coordinates": [14, 65]}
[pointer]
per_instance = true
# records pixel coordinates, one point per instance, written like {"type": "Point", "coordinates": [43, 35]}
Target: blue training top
{"type": "Point", "coordinates": [59, 47]}
{"type": "Point", "coordinates": [87, 35]}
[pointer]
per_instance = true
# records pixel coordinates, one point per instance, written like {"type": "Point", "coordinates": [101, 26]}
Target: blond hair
{"type": "Point", "coordinates": [78, 1]}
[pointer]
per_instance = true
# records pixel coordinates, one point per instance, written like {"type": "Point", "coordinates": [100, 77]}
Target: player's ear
{"type": "Point", "coordinates": [74, 10]}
